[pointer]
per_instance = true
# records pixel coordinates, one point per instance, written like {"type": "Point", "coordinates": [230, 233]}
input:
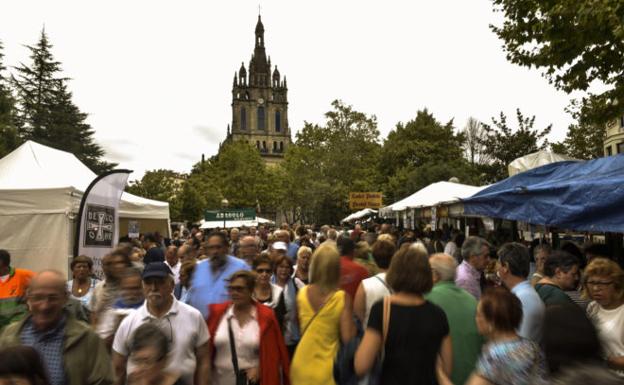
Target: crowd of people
{"type": "Point", "coordinates": [317, 306]}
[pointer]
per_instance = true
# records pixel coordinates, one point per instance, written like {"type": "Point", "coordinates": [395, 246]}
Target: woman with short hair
{"type": "Point", "coordinates": [325, 318]}
{"type": "Point", "coordinates": [603, 283]}
{"type": "Point", "coordinates": [81, 287]}
{"type": "Point", "coordinates": [506, 358]}
{"type": "Point", "coordinates": [148, 356]}
{"type": "Point", "coordinates": [415, 339]}
{"type": "Point", "coordinates": [253, 331]}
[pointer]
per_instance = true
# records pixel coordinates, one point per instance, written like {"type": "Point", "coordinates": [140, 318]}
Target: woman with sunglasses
{"type": "Point", "coordinates": [246, 338]}
{"type": "Point", "coordinates": [266, 292]}
{"type": "Point", "coordinates": [603, 283]}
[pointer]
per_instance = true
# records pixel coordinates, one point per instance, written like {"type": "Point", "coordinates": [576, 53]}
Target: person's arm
{"type": "Point", "coordinates": [359, 304]}
{"type": "Point", "coordinates": [202, 370]}
{"type": "Point", "coordinates": [476, 379]}
{"type": "Point", "coordinates": [347, 327]}
{"type": "Point", "coordinates": [616, 362]}
{"type": "Point", "coordinates": [119, 368]}
{"type": "Point", "coordinates": [446, 356]}
{"type": "Point", "coordinates": [367, 352]}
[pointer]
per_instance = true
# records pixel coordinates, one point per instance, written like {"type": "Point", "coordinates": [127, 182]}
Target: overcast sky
{"type": "Point", "coordinates": [155, 77]}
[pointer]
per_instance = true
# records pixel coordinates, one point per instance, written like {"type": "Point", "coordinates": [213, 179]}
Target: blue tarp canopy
{"type": "Point", "coordinates": [584, 196]}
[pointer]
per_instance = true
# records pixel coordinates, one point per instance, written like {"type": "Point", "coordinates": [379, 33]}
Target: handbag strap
{"type": "Point", "coordinates": [315, 314]}
{"type": "Point", "coordinates": [233, 347]}
{"type": "Point", "coordinates": [383, 281]}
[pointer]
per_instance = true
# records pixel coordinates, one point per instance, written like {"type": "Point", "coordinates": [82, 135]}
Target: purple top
{"type": "Point", "coordinates": [469, 279]}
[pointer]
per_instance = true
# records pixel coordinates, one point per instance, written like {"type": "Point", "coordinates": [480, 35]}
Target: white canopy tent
{"type": "Point", "coordinates": [434, 194]}
{"type": "Point", "coordinates": [359, 215]}
{"type": "Point", "coordinates": [40, 193]}
{"type": "Point", "coordinates": [534, 160]}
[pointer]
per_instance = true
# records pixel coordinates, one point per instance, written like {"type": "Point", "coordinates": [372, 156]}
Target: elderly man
{"type": "Point", "coordinates": [186, 253]}
{"type": "Point", "coordinates": [249, 248]}
{"type": "Point", "coordinates": [13, 284]}
{"type": "Point", "coordinates": [71, 352]}
{"type": "Point", "coordinates": [209, 283]}
{"type": "Point", "coordinates": [476, 255]}
{"type": "Point", "coordinates": [184, 326]}
{"type": "Point", "coordinates": [513, 270]}
{"type": "Point", "coordinates": [284, 236]}
{"type": "Point", "coordinates": [460, 308]}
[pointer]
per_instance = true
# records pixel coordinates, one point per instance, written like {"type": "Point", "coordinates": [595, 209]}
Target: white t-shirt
{"type": "Point", "coordinates": [375, 290]}
{"type": "Point", "coordinates": [610, 325]}
{"type": "Point", "coordinates": [183, 325]}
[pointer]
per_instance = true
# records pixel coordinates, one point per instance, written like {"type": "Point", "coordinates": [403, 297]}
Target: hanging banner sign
{"type": "Point", "coordinates": [97, 230]}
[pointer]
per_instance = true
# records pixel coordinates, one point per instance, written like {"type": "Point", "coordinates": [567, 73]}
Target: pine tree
{"type": "Point", "coordinates": [9, 139]}
{"type": "Point", "coordinates": [47, 113]}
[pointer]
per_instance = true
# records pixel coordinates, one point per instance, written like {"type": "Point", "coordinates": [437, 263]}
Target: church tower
{"type": "Point", "coordinates": [260, 104]}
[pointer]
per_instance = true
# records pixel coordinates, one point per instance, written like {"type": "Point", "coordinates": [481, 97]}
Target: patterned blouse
{"type": "Point", "coordinates": [518, 362]}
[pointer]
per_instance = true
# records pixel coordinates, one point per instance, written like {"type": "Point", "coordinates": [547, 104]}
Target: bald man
{"type": "Point", "coordinates": [71, 352]}
{"type": "Point", "coordinates": [460, 308]}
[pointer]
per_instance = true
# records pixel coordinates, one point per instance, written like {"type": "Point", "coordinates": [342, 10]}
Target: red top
{"type": "Point", "coordinates": [351, 274]}
{"type": "Point", "coordinates": [274, 362]}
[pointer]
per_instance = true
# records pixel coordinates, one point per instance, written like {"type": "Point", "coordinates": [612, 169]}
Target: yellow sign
{"type": "Point", "coordinates": [364, 200]}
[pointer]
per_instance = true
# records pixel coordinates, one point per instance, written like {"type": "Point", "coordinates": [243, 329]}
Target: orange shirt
{"type": "Point", "coordinates": [12, 291]}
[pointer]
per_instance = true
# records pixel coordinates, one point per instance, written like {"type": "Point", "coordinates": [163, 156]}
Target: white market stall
{"type": "Point", "coordinates": [203, 224]}
{"type": "Point", "coordinates": [359, 215]}
{"type": "Point", "coordinates": [534, 160]}
{"type": "Point", "coordinates": [435, 194]}
{"type": "Point", "coordinates": [40, 192]}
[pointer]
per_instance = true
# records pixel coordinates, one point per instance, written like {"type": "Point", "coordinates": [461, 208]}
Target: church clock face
{"type": "Point", "coordinates": [260, 101]}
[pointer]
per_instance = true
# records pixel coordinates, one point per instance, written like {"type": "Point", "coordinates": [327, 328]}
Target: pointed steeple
{"type": "Point", "coordinates": [259, 33]}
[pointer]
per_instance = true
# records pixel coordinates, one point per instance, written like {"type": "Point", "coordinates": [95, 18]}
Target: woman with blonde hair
{"type": "Point", "coordinates": [603, 283]}
{"type": "Point", "coordinates": [325, 319]}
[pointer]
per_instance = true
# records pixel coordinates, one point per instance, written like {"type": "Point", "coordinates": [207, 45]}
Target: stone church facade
{"type": "Point", "coordinates": [260, 105]}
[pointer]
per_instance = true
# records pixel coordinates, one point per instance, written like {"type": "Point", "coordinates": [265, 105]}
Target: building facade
{"type": "Point", "coordinates": [260, 104]}
{"type": "Point", "coordinates": [614, 141]}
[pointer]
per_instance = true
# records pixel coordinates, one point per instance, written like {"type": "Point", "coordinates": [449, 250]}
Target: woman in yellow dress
{"type": "Point", "coordinates": [325, 318]}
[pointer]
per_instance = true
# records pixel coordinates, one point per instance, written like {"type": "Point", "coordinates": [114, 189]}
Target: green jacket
{"type": "Point", "coordinates": [85, 357]}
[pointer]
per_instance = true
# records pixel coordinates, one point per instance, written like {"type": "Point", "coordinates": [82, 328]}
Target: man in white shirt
{"type": "Point", "coordinates": [172, 260]}
{"type": "Point", "coordinates": [184, 325]}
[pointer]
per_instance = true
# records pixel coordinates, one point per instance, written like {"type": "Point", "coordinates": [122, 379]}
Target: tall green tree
{"type": "Point", "coordinates": [575, 43]}
{"type": "Point", "coordinates": [582, 141]}
{"type": "Point", "coordinates": [343, 154]}
{"type": "Point", "coordinates": [420, 152]}
{"type": "Point", "coordinates": [504, 144]}
{"type": "Point", "coordinates": [9, 138]}
{"type": "Point", "coordinates": [46, 112]}
{"type": "Point", "coordinates": [163, 185]}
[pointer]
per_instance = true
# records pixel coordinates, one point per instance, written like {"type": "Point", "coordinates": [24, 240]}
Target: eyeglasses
{"type": "Point", "coordinates": [38, 298]}
{"type": "Point", "coordinates": [260, 271]}
{"type": "Point", "coordinates": [236, 289]}
{"type": "Point", "coordinates": [599, 284]}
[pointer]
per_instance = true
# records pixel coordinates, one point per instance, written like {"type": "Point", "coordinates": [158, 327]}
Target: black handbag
{"type": "Point", "coordinates": [241, 375]}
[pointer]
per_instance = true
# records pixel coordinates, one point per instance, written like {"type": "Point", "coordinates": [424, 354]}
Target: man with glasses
{"type": "Point", "coordinates": [71, 352]}
{"type": "Point", "coordinates": [209, 284]}
{"type": "Point", "coordinates": [183, 325]}
{"type": "Point", "coordinates": [249, 249]}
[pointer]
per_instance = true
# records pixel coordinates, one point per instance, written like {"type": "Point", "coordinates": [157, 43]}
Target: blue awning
{"type": "Point", "coordinates": [584, 196]}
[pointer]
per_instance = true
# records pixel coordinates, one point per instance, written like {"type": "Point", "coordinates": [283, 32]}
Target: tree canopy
{"type": "Point", "coordinates": [577, 44]}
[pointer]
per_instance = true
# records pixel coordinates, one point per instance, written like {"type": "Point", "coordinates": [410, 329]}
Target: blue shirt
{"type": "Point", "coordinates": [292, 251]}
{"type": "Point", "coordinates": [532, 311]}
{"type": "Point", "coordinates": [208, 287]}
{"type": "Point", "coordinates": [49, 345]}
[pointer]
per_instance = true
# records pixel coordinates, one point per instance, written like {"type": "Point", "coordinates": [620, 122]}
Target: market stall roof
{"type": "Point", "coordinates": [32, 169]}
{"type": "Point", "coordinates": [534, 160]}
{"type": "Point", "coordinates": [435, 193]}
{"type": "Point", "coordinates": [203, 224]}
{"type": "Point", "coordinates": [359, 215]}
{"type": "Point", "coordinates": [584, 196]}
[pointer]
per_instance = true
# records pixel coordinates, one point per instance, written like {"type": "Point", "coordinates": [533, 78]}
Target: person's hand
{"type": "Point", "coordinates": [253, 375]}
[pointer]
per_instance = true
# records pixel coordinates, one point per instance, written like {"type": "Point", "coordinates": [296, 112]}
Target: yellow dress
{"type": "Point", "coordinates": [313, 362]}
